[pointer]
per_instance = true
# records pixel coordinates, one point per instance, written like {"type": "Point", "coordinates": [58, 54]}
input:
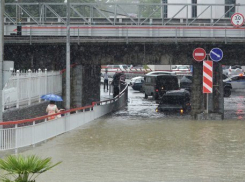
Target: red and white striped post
{"type": "Point", "coordinates": [207, 78]}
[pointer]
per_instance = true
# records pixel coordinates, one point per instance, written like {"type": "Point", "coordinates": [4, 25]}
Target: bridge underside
{"type": "Point", "coordinates": [90, 56]}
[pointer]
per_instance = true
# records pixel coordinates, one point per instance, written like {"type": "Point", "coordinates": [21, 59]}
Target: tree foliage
{"type": "Point", "coordinates": [24, 169]}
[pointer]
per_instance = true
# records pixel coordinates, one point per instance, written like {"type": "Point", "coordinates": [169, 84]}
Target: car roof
{"type": "Point", "coordinates": [160, 72]}
{"type": "Point", "coordinates": [181, 92]}
{"type": "Point", "coordinates": [137, 77]}
{"type": "Point", "coordinates": [158, 75]}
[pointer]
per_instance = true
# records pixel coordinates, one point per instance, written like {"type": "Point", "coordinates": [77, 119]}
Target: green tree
{"type": "Point", "coordinates": [24, 169]}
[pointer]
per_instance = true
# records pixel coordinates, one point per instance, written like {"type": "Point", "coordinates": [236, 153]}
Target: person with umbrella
{"type": "Point", "coordinates": [52, 107]}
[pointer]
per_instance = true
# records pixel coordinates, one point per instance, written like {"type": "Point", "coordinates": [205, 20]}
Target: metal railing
{"type": "Point", "coordinates": [25, 88]}
{"type": "Point", "coordinates": [22, 133]}
{"type": "Point", "coordinates": [178, 14]}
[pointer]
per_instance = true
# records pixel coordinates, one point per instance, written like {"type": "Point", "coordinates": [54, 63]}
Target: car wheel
{"type": "Point", "coordinates": [227, 92]}
{"type": "Point", "coordinates": [146, 96]}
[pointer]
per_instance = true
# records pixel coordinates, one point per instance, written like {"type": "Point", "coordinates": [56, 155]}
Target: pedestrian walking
{"type": "Point", "coordinates": [105, 80]}
{"type": "Point", "coordinates": [52, 109]}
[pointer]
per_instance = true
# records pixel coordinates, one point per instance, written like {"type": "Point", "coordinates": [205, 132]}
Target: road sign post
{"type": "Point", "coordinates": [207, 78]}
{"type": "Point", "coordinates": [237, 20]}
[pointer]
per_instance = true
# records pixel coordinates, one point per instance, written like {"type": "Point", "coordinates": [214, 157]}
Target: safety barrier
{"type": "Point", "coordinates": [23, 133]}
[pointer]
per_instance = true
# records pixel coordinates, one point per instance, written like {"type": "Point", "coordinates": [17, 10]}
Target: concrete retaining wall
{"type": "Point", "coordinates": [27, 112]}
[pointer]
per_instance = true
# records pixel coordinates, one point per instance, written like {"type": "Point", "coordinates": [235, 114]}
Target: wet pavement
{"type": "Point", "coordinates": [138, 144]}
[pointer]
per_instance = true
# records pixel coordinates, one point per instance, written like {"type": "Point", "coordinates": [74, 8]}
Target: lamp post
{"type": "Point", "coordinates": [2, 3]}
{"type": "Point", "coordinates": [68, 62]}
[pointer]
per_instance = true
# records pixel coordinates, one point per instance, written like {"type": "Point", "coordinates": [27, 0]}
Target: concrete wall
{"type": "Point", "coordinates": [27, 112]}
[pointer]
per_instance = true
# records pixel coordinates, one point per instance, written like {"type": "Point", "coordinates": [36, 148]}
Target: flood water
{"type": "Point", "coordinates": [138, 144]}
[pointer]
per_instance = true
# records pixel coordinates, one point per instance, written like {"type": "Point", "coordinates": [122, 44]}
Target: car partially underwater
{"type": "Point", "coordinates": [175, 101]}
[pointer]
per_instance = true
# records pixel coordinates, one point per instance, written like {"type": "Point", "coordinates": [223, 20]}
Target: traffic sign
{"type": "Point", "coordinates": [237, 19]}
{"type": "Point", "coordinates": [199, 54]}
{"type": "Point", "coordinates": [216, 54]}
{"type": "Point", "coordinates": [207, 76]}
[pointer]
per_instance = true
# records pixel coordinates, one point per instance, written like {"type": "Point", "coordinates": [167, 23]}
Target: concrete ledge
{"type": "Point", "coordinates": [210, 116]}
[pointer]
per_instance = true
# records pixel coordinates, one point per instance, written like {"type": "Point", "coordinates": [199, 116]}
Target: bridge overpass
{"type": "Point", "coordinates": [103, 35]}
{"type": "Point", "coordinates": [118, 22]}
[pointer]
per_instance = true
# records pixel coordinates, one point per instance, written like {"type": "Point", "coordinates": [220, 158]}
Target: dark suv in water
{"type": "Point", "coordinates": [157, 85]}
{"type": "Point", "coordinates": [175, 100]}
{"type": "Point", "coordinates": [186, 82]}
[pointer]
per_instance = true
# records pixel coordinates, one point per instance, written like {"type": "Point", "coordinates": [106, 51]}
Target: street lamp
{"type": "Point", "coordinates": [2, 3]}
{"type": "Point", "coordinates": [68, 62]}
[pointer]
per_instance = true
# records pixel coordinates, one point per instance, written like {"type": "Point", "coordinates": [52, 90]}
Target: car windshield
{"type": "Point", "coordinates": [235, 67]}
{"type": "Point", "coordinates": [225, 67]}
{"type": "Point", "coordinates": [168, 82]}
{"type": "Point", "coordinates": [183, 67]}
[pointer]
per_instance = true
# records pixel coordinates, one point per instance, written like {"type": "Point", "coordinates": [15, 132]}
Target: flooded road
{"type": "Point", "coordinates": [138, 144]}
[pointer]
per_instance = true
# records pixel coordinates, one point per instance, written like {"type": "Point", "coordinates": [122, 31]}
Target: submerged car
{"type": "Point", "coordinates": [157, 85]}
{"type": "Point", "coordinates": [175, 101]}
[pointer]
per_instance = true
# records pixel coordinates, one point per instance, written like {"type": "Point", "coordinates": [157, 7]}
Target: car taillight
{"type": "Point", "coordinates": [156, 90]}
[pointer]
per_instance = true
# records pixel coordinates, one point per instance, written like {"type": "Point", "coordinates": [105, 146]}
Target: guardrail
{"type": "Point", "coordinates": [23, 133]}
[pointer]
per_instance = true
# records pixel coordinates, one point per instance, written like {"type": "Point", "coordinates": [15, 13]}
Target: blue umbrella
{"type": "Point", "coordinates": [52, 97]}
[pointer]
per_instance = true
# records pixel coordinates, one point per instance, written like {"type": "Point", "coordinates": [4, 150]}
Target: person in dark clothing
{"type": "Point", "coordinates": [115, 82]}
{"type": "Point", "coordinates": [105, 80]}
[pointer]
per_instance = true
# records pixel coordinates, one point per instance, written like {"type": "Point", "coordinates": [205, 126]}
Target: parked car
{"type": "Point", "coordinates": [157, 85]}
{"type": "Point", "coordinates": [180, 68]}
{"type": "Point", "coordinates": [137, 85]}
{"type": "Point", "coordinates": [235, 70]}
{"type": "Point", "coordinates": [186, 82]}
{"type": "Point", "coordinates": [161, 73]}
{"type": "Point", "coordinates": [175, 100]}
{"type": "Point", "coordinates": [237, 82]}
{"type": "Point", "coordinates": [135, 78]}
{"type": "Point", "coordinates": [225, 69]}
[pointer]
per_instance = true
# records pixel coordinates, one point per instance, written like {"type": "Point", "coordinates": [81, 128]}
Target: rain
{"type": "Point", "coordinates": [174, 107]}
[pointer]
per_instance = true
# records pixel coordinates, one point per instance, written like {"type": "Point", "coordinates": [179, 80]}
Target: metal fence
{"type": "Point", "coordinates": [25, 88]}
{"type": "Point", "coordinates": [36, 130]}
{"type": "Point", "coordinates": [171, 13]}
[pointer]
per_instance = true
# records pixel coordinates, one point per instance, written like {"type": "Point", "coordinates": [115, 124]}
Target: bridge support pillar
{"type": "Point", "coordinates": [215, 100]}
{"type": "Point", "coordinates": [85, 85]}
